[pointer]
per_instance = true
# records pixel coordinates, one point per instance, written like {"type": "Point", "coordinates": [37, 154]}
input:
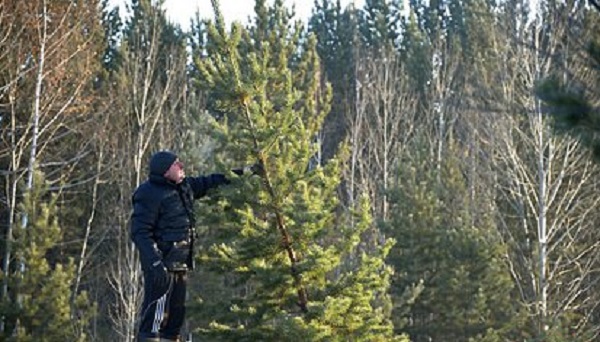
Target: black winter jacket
{"type": "Point", "coordinates": [163, 215]}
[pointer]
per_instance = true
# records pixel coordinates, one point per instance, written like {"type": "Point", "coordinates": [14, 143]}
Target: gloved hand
{"type": "Point", "coordinates": [160, 275]}
{"type": "Point", "coordinates": [255, 169]}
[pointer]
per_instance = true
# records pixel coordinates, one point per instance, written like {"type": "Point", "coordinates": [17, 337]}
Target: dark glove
{"type": "Point", "coordinates": [159, 275]}
{"type": "Point", "coordinates": [255, 169]}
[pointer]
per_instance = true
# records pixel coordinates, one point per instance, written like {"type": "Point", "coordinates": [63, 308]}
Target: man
{"type": "Point", "coordinates": [162, 226]}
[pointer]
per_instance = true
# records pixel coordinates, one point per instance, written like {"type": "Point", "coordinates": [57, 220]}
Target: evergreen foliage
{"type": "Point", "coordinates": [39, 308]}
{"type": "Point", "coordinates": [571, 98]}
{"type": "Point", "coordinates": [100, 89]}
{"type": "Point", "coordinates": [112, 24]}
{"type": "Point", "coordinates": [337, 33]}
{"type": "Point", "coordinates": [281, 235]}
{"type": "Point", "coordinates": [379, 23]}
{"type": "Point", "coordinates": [453, 261]}
{"type": "Point", "coordinates": [415, 50]}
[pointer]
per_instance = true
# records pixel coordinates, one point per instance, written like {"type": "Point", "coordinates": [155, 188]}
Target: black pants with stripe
{"type": "Point", "coordinates": [163, 310]}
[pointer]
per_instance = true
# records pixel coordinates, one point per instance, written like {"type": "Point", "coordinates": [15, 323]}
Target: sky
{"type": "Point", "coordinates": [181, 11]}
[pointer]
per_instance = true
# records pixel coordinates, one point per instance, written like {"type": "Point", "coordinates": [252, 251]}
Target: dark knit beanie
{"type": "Point", "coordinates": [161, 161]}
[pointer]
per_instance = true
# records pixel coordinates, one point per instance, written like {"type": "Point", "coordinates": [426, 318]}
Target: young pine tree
{"type": "Point", "coordinates": [289, 259]}
{"type": "Point", "coordinates": [39, 307]}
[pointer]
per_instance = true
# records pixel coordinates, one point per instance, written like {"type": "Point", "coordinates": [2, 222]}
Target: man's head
{"type": "Point", "coordinates": [166, 164]}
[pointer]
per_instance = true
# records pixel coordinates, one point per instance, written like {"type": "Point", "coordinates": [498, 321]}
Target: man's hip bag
{"type": "Point", "coordinates": [178, 256]}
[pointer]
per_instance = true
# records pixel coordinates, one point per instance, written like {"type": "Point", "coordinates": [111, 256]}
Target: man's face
{"type": "Point", "coordinates": [175, 173]}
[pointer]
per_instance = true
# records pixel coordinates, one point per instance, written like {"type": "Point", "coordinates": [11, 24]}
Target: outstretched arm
{"type": "Point", "coordinates": [200, 185]}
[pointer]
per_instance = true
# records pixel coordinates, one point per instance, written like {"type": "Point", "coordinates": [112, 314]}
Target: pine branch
{"type": "Point", "coordinates": [281, 227]}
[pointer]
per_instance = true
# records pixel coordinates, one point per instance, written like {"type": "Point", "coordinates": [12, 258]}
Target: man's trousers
{"type": "Point", "coordinates": [163, 309]}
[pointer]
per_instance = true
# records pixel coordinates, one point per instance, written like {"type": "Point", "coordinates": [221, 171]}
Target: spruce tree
{"type": "Point", "coordinates": [40, 308]}
{"type": "Point", "coordinates": [289, 257]}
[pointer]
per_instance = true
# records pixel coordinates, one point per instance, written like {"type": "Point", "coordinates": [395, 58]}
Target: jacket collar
{"type": "Point", "coordinates": [157, 179]}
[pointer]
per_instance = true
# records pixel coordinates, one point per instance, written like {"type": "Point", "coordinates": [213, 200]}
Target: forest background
{"type": "Point", "coordinates": [415, 188]}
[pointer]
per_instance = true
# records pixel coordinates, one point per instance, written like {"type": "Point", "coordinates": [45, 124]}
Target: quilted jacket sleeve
{"type": "Point", "coordinates": [146, 208]}
{"type": "Point", "coordinates": [200, 185]}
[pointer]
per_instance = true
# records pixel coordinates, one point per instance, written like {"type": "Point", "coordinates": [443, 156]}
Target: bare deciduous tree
{"type": "Point", "coordinates": [381, 126]}
{"type": "Point", "coordinates": [545, 183]}
{"type": "Point", "coordinates": [48, 61]}
{"type": "Point", "coordinates": [151, 85]}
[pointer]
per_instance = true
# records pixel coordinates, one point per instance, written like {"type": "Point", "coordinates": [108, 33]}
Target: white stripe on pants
{"type": "Point", "coordinates": [159, 314]}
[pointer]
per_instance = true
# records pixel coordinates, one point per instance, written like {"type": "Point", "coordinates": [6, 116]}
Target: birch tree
{"type": "Point", "coordinates": [151, 83]}
{"type": "Point", "coordinates": [53, 49]}
{"type": "Point", "coordinates": [385, 121]}
{"type": "Point", "coordinates": [546, 223]}
{"type": "Point", "coordinates": [545, 202]}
